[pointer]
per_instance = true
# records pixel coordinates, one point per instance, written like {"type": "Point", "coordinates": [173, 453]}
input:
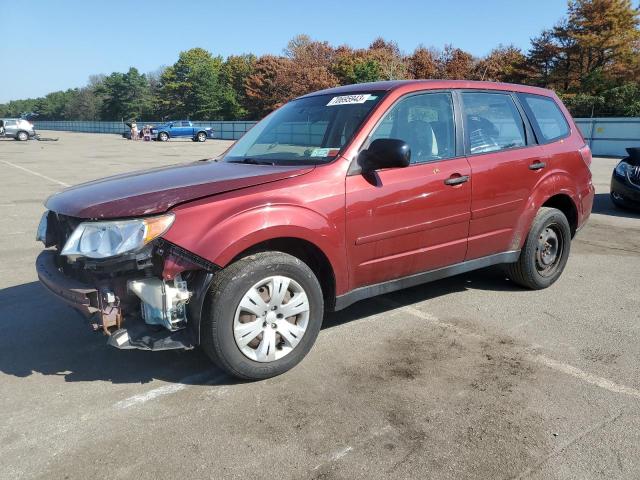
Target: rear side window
{"type": "Point", "coordinates": [547, 118]}
{"type": "Point", "coordinates": [493, 122]}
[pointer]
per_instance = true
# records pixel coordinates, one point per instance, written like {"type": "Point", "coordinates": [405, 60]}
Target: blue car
{"type": "Point", "coordinates": [181, 128]}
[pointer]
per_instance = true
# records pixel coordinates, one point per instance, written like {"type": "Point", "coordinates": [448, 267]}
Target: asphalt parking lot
{"type": "Point", "coordinates": [469, 377]}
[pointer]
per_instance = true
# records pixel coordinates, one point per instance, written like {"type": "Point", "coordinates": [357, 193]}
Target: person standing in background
{"type": "Point", "coordinates": [134, 131]}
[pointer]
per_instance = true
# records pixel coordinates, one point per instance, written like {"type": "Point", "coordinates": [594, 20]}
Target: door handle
{"type": "Point", "coordinates": [537, 166]}
{"type": "Point", "coordinates": [456, 180]}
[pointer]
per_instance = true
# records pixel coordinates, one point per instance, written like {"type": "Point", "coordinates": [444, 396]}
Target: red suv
{"type": "Point", "coordinates": [337, 196]}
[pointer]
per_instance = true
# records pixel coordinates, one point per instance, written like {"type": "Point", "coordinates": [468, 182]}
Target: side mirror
{"type": "Point", "coordinates": [385, 153]}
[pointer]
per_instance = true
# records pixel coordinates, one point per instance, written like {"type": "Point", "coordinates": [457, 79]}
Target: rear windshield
{"type": "Point", "coordinates": [547, 118]}
{"type": "Point", "coordinates": [307, 130]}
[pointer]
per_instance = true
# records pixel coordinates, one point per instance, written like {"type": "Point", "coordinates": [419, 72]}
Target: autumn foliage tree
{"type": "Point", "coordinates": [591, 57]}
{"type": "Point", "coordinates": [266, 88]}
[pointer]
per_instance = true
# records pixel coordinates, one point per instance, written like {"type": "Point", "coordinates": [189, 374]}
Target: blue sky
{"type": "Point", "coordinates": [56, 44]}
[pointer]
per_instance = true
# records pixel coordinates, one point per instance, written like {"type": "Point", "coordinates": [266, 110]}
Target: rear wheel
{"type": "Point", "coordinates": [163, 136]}
{"type": "Point", "coordinates": [22, 136]}
{"type": "Point", "coordinates": [265, 312]}
{"type": "Point", "coordinates": [545, 251]}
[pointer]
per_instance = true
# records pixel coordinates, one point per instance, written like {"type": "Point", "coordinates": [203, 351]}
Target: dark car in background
{"type": "Point", "coordinates": [625, 181]}
{"type": "Point", "coordinates": [181, 128]}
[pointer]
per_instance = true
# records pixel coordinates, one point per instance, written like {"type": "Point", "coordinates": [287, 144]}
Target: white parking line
{"type": "Point", "coordinates": [200, 378]}
{"type": "Point", "coordinates": [585, 376]}
{"type": "Point", "coordinates": [567, 369]}
{"type": "Point", "coordinates": [35, 173]}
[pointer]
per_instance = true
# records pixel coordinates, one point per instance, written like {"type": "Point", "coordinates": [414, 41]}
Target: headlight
{"type": "Point", "coordinates": [41, 234]}
{"type": "Point", "coordinates": [108, 239]}
{"type": "Point", "coordinates": [622, 168]}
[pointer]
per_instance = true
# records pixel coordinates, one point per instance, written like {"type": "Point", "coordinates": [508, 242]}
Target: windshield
{"type": "Point", "coordinates": [308, 130]}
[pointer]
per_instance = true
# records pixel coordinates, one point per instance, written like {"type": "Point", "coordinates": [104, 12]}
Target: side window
{"type": "Point", "coordinates": [546, 116]}
{"type": "Point", "coordinates": [493, 122]}
{"type": "Point", "coordinates": [10, 123]}
{"type": "Point", "coordinates": [425, 122]}
{"type": "Point", "coordinates": [185, 124]}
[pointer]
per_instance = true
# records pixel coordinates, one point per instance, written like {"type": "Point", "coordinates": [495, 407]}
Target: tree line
{"type": "Point", "coordinates": [591, 57]}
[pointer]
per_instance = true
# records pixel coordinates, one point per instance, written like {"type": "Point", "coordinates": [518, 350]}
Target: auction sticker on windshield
{"type": "Point", "coordinates": [324, 152]}
{"type": "Point", "coordinates": [349, 99]}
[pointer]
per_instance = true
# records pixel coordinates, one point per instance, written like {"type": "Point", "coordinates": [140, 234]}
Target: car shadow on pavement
{"type": "Point", "coordinates": [41, 335]}
{"type": "Point", "coordinates": [603, 205]}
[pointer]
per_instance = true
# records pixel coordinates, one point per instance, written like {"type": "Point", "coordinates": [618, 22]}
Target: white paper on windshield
{"type": "Point", "coordinates": [348, 99]}
{"type": "Point", "coordinates": [324, 152]}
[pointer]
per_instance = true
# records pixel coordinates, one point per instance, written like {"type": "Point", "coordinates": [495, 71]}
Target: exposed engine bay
{"type": "Point", "coordinates": [149, 299]}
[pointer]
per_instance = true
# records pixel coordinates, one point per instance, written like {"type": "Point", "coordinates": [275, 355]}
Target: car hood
{"type": "Point", "coordinates": [157, 190]}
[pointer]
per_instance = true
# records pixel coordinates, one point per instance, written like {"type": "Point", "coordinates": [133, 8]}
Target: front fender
{"type": "Point", "coordinates": [221, 241]}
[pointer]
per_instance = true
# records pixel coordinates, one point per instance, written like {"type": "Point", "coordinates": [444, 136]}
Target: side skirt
{"type": "Point", "coordinates": [369, 291]}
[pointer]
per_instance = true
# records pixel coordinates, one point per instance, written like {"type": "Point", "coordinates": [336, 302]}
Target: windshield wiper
{"type": "Point", "coordinates": [252, 161]}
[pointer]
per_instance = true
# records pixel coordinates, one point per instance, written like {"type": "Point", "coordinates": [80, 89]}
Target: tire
{"type": "Point", "coordinates": [201, 137]}
{"type": "Point", "coordinates": [538, 266]}
{"type": "Point", "coordinates": [222, 325]}
{"type": "Point", "coordinates": [22, 136]}
{"type": "Point", "coordinates": [163, 136]}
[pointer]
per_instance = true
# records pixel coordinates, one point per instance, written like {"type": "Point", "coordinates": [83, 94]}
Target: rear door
{"type": "Point", "coordinates": [407, 220]}
{"type": "Point", "coordinates": [186, 129]}
{"type": "Point", "coordinates": [506, 164]}
{"type": "Point", "coordinates": [10, 128]}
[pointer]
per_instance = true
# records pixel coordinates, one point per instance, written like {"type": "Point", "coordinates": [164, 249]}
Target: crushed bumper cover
{"type": "Point", "coordinates": [139, 336]}
{"type": "Point", "coordinates": [84, 298]}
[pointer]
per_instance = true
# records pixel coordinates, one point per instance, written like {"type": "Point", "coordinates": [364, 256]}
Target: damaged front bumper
{"type": "Point", "coordinates": [135, 309]}
{"type": "Point", "coordinates": [80, 296]}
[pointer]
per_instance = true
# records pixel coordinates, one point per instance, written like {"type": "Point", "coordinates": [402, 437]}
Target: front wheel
{"type": "Point", "coordinates": [545, 251]}
{"type": "Point", "coordinates": [201, 137]}
{"type": "Point", "coordinates": [163, 136]}
{"type": "Point", "coordinates": [264, 314]}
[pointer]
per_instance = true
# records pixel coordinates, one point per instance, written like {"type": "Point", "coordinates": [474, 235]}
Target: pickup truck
{"type": "Point", "coordinates": [181, 128]}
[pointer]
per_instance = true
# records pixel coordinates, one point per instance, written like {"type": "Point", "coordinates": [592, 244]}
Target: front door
{"type": "Point", "coordinates": [407, 220]}
{"type": "Point", "coordinates": [505, 164]}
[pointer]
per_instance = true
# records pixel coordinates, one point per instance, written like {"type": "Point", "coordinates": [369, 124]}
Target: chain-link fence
{"type": "Point", "coordinates": [606, 136]}
{"type": "Point", "coordinates": [221, 130]}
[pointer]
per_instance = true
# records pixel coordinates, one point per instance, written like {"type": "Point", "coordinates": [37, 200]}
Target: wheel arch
{"type": "Point", "coordinates": [555, 190]}
{"type": "Point", "coordinates": [567, 206]}
{"type": "Point", "coordinates": [306, 251]}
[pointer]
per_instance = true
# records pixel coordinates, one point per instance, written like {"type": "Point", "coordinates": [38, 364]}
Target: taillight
{"type": "Point", "coordinates": [585, 153]}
